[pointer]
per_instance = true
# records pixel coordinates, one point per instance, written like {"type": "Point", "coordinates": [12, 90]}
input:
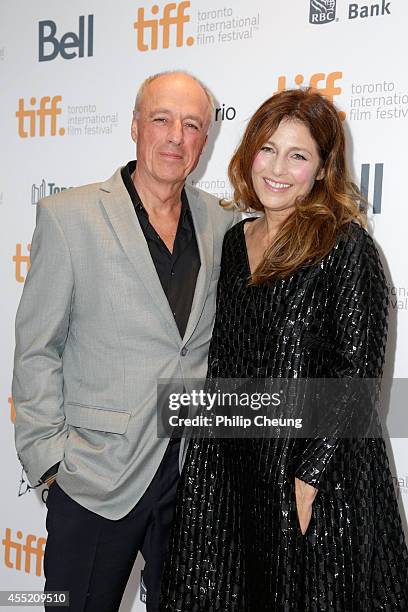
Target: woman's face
{"type": "Point", "coordinates": [286, 167]}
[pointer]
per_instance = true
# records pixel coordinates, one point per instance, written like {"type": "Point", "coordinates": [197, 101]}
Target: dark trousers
{"type": "Point", "coordinates": [92, 557]}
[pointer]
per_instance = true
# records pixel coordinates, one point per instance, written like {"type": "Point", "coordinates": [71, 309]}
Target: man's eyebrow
{"type": "Point", "coordinates": [195, 118]}
{"type": "Point", "coordinates": [159, 110]}
{"type": "Point", "coordinates": [166, 111]}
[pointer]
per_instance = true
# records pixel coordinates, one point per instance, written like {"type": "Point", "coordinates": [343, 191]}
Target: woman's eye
{"type": "Point", "coordinates": [299, 156]}
{"type": "Point", "coordinates": [267, 149]}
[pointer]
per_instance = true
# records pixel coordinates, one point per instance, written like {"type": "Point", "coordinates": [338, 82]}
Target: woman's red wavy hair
{"type": "Point", "coordinates": [309, 233]}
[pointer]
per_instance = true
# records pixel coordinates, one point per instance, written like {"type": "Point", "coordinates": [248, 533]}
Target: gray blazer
{"type": "Point", "coordinates": [94, 333]}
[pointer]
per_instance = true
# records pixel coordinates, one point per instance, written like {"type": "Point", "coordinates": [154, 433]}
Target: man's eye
{"type": "Point", "coordinates": [160, 119]}
{"type": "Point", "coordinates": [192, 126]}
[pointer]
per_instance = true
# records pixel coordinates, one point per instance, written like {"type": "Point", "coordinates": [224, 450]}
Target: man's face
{"type": "Point", "coordinates": [170, 129]}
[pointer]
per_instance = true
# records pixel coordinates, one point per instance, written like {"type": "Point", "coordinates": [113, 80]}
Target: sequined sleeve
{"type": "Point", "coordinates": [360, 311]}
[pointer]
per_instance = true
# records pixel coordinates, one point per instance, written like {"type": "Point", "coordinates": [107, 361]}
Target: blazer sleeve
{"type": "Point", "coordinates": [236, 216]}
{"type": "Point", "coordinates": [42, 325]}
{"type": "Point", "coordinates": [359, 310]}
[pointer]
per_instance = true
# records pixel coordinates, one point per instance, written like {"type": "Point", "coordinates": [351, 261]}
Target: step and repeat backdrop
{"type": "Point", "coordinates": [69, 72]}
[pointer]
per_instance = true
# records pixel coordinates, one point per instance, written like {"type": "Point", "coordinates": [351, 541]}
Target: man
{"type": "Point", "coordinates": [121, 293]}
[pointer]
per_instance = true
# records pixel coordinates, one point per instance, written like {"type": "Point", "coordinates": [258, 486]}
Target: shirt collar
{"type": "Point", "coordinates": [127, 172]}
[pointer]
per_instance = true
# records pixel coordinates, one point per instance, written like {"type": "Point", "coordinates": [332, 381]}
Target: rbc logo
{"type": "Point", "coordinates": [69, 41]}
{"type": "Point", "coordinates": [173, 15]}
{"type": "Point", "coordinates": [322, 11]}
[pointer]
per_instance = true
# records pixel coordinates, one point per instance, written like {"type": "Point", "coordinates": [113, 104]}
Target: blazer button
{"type": "Point", "coordinates": [184, 351]}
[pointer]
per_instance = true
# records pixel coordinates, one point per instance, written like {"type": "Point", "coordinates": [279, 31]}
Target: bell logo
{"type": "Point", "coordinates": [173, 18]}
{"type": "Point", "coordinates": [324, 84]}
{"type": "Point", "coordinates": [70, 42]}
{"type": "Point", "coordinates": [48, 108]}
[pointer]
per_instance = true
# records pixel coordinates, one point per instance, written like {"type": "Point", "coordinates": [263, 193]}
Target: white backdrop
{"type": "Point", "coordinates": [69, 74]}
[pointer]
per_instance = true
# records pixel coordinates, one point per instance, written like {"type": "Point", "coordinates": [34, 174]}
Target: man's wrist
{"type": "Point", "coordinates": [50, 480]}
{"type": "Point", "coordinates": [51, 474]}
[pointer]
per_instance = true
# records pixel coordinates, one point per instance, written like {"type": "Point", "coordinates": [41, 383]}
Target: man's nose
{"type": "Point", "coordinates": [175, 134]}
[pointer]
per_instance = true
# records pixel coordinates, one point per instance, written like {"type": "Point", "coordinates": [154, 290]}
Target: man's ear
{"type": "Point", "coordinates": [134, 126]}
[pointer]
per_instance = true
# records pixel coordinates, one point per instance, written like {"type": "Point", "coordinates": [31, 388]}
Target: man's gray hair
{"type": "Point", "coordinates": [153, 77]}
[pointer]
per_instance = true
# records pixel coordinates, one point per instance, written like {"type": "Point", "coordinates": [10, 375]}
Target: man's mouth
{"type": "Point", "coordinates": [171, 155]}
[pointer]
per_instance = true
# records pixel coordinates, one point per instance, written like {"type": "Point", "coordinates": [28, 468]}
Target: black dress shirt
{"type": "Point", "coordinates": [178, 270]}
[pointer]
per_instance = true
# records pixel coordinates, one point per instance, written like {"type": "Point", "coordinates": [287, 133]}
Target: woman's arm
{"type": "Point", "coordinates": [359, 311]}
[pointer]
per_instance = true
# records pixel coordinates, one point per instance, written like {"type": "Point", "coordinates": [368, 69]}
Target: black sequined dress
{"type": "Point", "coordinates": [236, 545]}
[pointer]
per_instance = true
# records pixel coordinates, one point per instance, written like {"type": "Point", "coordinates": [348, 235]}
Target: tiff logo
{"type": "Point", "coordinates": [174, 17]}
{"type": "Point", "coordinates": [19, 551]}
{"type": "Point", "coordinates": [43, 190]}
{"type": "Point", "coordinates": [322, 11]}
{"type": "Point", "coordinates": [48, 109]}
{"type": "Point", "coordinates": [70, 46]}
{"type": "Point", "coordinates": [378, 184]}
{"type": "Point", "coordinates": [12, 409]}
{"type": "Point", "coordinates": [325, 84]}
{"type": "Point", "coordinates": [21, 260]}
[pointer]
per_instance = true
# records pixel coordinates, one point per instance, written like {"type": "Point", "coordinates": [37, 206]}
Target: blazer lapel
{"type": "Point", "coordinates": [119, 208]}
{"type": "Point", "coordinates": [205, 238]}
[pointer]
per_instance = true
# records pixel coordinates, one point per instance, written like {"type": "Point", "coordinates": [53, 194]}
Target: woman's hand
{"type": "Point", "coordinates": [305, 495]}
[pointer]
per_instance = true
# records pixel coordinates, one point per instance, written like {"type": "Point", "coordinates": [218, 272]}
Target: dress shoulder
{"type": "Point", "coordinates": [236, 231]}
{"type": "Point", "coordinates": [354, 236]}
{"type": "Point", "coordinates": [354, 246]}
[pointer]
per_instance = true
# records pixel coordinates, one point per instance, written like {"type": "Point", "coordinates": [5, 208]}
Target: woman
{"type": "Point", "coordinates": [284, 524]}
